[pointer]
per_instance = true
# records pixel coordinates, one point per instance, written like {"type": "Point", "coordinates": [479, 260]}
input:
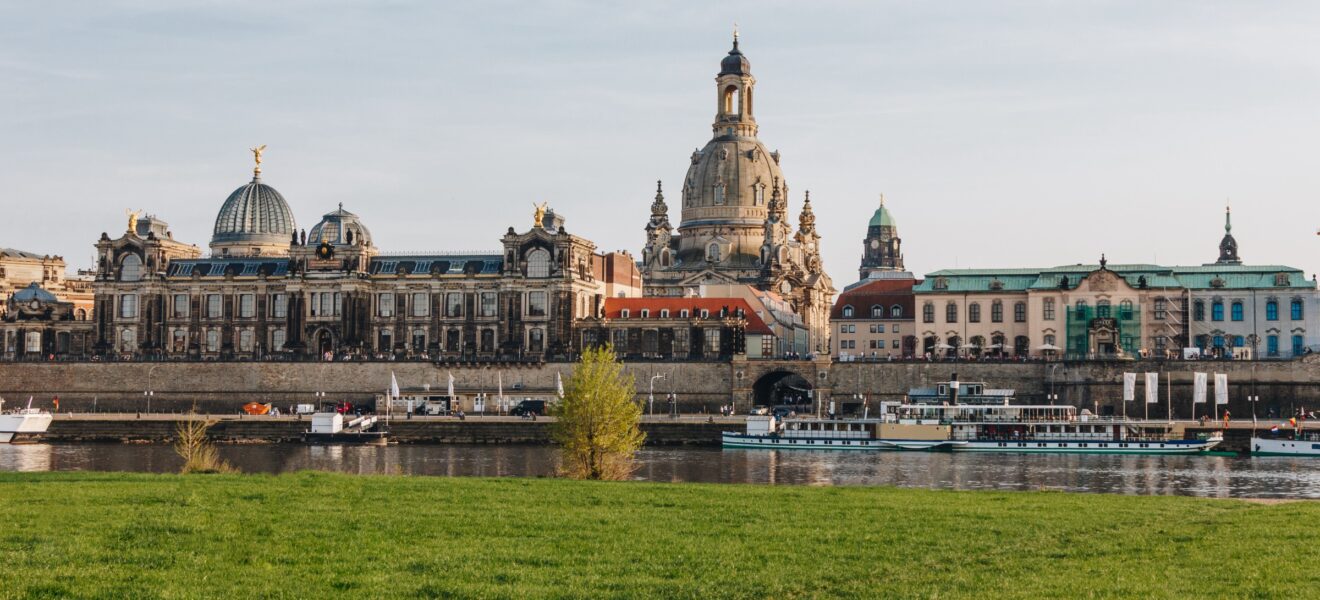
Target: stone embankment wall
{"type": "Point", "coordinates": [222, 387]}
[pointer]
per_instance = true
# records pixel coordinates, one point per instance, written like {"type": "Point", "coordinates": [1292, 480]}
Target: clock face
{"type": "Point", "coordinates": [875, 244]}
{"type": "Point", "coordinates": [35, 305]}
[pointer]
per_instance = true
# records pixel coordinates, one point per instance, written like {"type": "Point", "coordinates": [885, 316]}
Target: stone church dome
{"type": "Point", "coordinates": [254, 218]}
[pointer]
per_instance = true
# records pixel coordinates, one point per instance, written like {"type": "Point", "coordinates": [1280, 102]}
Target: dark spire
{"type": "Point", "coordinates": [1228, 248]}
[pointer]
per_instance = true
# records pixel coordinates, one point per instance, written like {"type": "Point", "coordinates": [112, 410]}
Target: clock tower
{"type": "Point", "coordinates": [882, 249]}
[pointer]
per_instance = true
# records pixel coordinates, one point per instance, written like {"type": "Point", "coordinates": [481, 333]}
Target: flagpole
{"type": "Point", "coordinates": [1168, 386]}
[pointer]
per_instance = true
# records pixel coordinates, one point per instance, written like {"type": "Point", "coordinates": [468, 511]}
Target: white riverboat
{"type": "Point", "coordinates": [23, 425]}
{"type": "Point", "coordinates": [1297, 443]}
{"type": "Point", "coordinates": [974, 428]}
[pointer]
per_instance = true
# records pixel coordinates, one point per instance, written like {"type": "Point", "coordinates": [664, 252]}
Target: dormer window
{"type": "Point", "coordinates": [941, 283]}
{"type": "Point", "coordinates": [1218, 282]}
{"type": "Point", "coordinates": [996, 284]}
{"type": "Point", "coordinates": [664, 313]}
{"type": "Point", "coordinates": [847, 312]}
{"type": "Point", "coordinates": [646, 313]}
{"type": "Point", "coordinates": [683, 314]}
{"type": "Point", "coordinates": [1281, 280]}
{"type": "Point", "coordinates": [623, 314]}
{"type": "Point", "coordinates": [705, 314]}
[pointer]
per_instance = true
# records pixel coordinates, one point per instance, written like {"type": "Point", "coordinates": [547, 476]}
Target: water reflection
{"type": "Point", "coordinates": [1215, 476]}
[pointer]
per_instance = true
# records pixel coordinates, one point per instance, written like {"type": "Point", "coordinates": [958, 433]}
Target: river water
{"type": "Point", "coordinates": [1211, 476]}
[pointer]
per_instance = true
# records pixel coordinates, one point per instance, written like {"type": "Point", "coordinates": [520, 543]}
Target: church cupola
{"type": "Point", "coordinates": [734, 94]}
{"type": "Point", "coordinates": [1228, 248]}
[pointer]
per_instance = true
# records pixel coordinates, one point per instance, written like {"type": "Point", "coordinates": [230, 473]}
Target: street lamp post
{"type": "Point", "coordinates": [148, 394]}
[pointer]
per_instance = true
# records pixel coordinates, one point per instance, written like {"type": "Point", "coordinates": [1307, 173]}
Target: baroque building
{"type": "Point", "coordinates": [270, 291]}
{"type": "Point", "coordinates": [882, 250]}
{"type": "Point", "coordinates": [735, 226]}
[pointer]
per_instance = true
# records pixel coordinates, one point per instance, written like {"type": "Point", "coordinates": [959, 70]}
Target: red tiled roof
{"type": "Point", "coordinates": [615, 306]}
{"type": "Point", "coordinates": [886, 292]}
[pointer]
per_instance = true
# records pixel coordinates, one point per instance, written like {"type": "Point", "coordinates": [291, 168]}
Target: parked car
{"type": "Point", "coordinates": [528, 408]}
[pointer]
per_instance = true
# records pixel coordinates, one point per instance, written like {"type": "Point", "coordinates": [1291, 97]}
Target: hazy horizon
{"type": "Point", "coordinates": [1017, 134]}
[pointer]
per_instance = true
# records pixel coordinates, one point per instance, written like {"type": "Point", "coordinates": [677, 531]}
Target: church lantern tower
{"type": "Point", "coordinates": [882, 250]}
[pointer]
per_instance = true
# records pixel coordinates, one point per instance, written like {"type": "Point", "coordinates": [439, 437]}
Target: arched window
{"type": "Point", "coordinates": [1102, 309]}
{"type": "Point", "coordinates": [1080, 309]}
{"type": "Point", "coordinates": [1217, 310]}
{"type": "Point", "coordinates": [1049, 339]}
{"type": "Point", "coordinates": [997, 312]}
{"type": "Point", "coordinates": [1297, 309]}
{"type": "Point", "coordinates": [131, 268]}
{"type": "Point", "coordinates": [951, 312]}
{"type": "Point", "coordinates": [82, 314]}
{"type": "Point", "coordinates": [731, 100]}
{"type": "Point", "coordinates": [1271, 310]}
{"type": "Point", "coordinates": [664, 258]}
{"type": "Point", "coordinates": [877, 312]}
{"type": "Point", "coordinates": [847, 312]}
{"type": "Point", "coordinates": [538, 263]}
{"type": "Point", "coordinates": [758, 194]}
{"type": "Point", "coordinates": [928, 312]}
{"type": "Point", "coordinates": [1125, 310]}
{"type": "Point", "coordinates": [1235, 311]}
{"type": "Point", "coordinates": [713, 253]}
{"type": "Point", "coordinates": [896, 311]}
{"type": "Point", "coordinates": [973, 313]}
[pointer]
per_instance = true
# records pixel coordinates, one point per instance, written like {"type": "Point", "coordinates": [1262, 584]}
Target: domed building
{"type": "Point", "coordinates": [340, 228]}
{"type": "Point", "coordinates": [735, 227]}
{"type": "Point", "coordinates": [254, 220]}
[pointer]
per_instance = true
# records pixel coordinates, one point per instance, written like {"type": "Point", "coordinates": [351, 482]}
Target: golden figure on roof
{"type": "Point", "coordinates": [540, 213]}
{"type": "Point", "coordinates": [132, 219]}
{"type": "Point", "coordinates": [256, 155]}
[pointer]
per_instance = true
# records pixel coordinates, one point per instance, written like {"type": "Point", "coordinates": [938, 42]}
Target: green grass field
{"type": "Point", "coordinates": [319, 535]}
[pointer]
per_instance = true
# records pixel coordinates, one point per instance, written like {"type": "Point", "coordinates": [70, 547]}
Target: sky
{"type": "Point", "coordinates": [1003, 134]}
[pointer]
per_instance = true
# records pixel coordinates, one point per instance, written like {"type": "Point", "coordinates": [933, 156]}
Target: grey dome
{"type": "Point", "coordinates": [335, 227]}
{"type": "Point", "coordinates": [254, 213]}
{"type": "Point", "coordinates": [735, 63]}
{"type": "Point", "coordinates": [34, 292]}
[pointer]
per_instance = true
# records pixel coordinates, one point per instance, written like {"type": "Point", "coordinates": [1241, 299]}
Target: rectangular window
{"type": "Point", "coordinates": [1161, 309]}
{"type": "Point", "coordinates": [181, 305]}
{"type": "Point", "coordinates": [1272, 310]}
{"type": "Point", "coordinates": [212, 340]}
{"type": "Point", "coordinates": [454, 304]}
{"type": "Point", "coordinates": [180, 340]}
{"type": "Point", "coordinates": [421, 304]}
{"type": "Point", "coordinates": [536, 304]}
{"type": "Point", "coordinates": [247, 306]}
{"type": "Point", "coordinates": [1020, 312]}
{"type": "Point", "coordinates": [277, 340]}
{"type": "Point", "coordinates": [951, 313]}
{"type": "Point", "coordinates": [1047, 306]}
{"type": "Point", "coordinates": [245, 340]}
{"type": "Point", "coordinates": [895, 345]}
{"type": "Point", "coordinates": [1235, 311]}
{"type": "Point", "coordinates": [894, 329]}
{"type": "Point", "coordinates": [214, 310]}
{"type": "Point", "coordinates": [712, 341]}
{"type": "Point", "coordinates": [880, 328]}
{"type": "Point", "coordinates": [996, 312]}
{"type": "Point", "coordinates": [1296, 310]}
{"type": "Point", "coordinates": [279, 306]}
{"type": "Point", "coordinates": [843, 328]}
{"type": "Point", "coordinates": [1272, 345]}
{"type": "Point", "coordinates": [1217, 311]}
{"type": "Point", "coordinates": [488, 304]}
{"type": "Point", "coordinates": [385, 305]}
{"type": "Point", "coordinates": [767, 345]}
{"type": "Point", "coordinates": [128, 306]}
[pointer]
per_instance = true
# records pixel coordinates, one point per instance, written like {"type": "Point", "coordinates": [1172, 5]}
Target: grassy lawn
{"type": "Point", "coordinates": [318, 535]}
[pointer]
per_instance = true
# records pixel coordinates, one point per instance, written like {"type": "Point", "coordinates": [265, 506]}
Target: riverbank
{"type": "Point", "coordinates": [326, 535]}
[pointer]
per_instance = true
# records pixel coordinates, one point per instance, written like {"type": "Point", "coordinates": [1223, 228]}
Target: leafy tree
{"type": "Point", "coordinates": [597, 424]}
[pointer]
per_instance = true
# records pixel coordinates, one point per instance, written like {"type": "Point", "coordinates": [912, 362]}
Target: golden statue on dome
{"type": "Point", "coordinates": [540, 213]}
{"type": "Point", "coordinates": [256, 155]}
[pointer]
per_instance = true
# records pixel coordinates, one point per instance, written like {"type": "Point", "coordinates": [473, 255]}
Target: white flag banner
{"type": "Point", "coordinates": [559, 385]}
{"type": "Point", "coordinates": [394, 386]}
{"type": "Point", "coordinates": [1129, 387]}
{"type": "Point", "coordinates": [451, 385]}
{"type": "Point", "coordinates": [1198, 388]}
{"type": "Point", "coordinates": [1221, 388]}
{"type": "Point", "coordinates": [500, 378]}
{"type": "Point", "coordinates": [1152, 388]}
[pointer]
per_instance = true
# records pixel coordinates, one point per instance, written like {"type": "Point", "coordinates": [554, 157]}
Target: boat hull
{"type": "Point", "coordinates": [19, 428]}
{"type": "Point", "coordinates": [1281, 447]}
{"type": "Point", "coordinates": [1090, 446]}
{"type": "Point", "coordinates": [373, 438]}
{"type": "Point", "coordinates": [731, 439]}
{"type": "Point", "coordinates": [742, 440]}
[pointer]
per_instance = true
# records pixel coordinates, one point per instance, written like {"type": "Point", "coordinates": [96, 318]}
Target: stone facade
{"type": "Point", "coordinates": [735, 227]}
{"type": "Point", "coordinates": [335, 296]}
